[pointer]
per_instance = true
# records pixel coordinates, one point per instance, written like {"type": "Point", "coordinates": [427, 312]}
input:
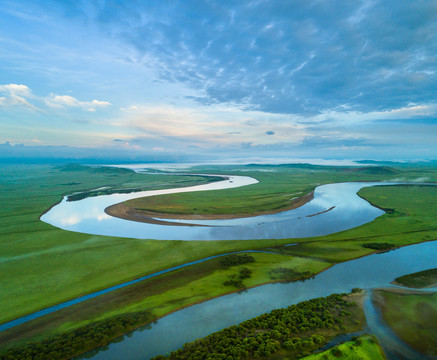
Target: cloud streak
{"type": "Point", "coordinates": [298, 57]}
{"type": "Point", "coordinates": [16, 95]}
{"type": "Point", "coordinates": [21, 95]}
{"type": "Point", "coordinates": [66, 101]}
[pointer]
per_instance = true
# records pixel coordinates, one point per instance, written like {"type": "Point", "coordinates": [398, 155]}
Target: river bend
{"type": "Point", "coordinates": [334, 208]}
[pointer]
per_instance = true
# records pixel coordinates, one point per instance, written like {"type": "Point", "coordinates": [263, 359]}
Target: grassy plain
{"type": "Point", "coordinates": [160, 295]}
{"type": "Point", "coordinates": [412, 316]}
{"type": "Point", "coordinates": [276, 187]}
{"type": "Point", "coordinates": [366, 348]}
{"type": "Point", "coordinates": [41, 265]}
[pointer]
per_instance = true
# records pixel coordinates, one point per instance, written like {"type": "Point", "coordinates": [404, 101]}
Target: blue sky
{"type": "Point", "coordinates": [192, 80]}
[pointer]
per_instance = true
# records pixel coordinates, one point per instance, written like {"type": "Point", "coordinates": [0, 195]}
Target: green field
{"type": "Point", "coordinates": [413, 317]}
{"type": "Point", "coordinates": [41, 265]}
{"type": "Point", "coordinates": [276, 187]}
{"type": "Point", "coordinates": [364, 348]}
{"type": "Point", "coordinates": [419, 280]}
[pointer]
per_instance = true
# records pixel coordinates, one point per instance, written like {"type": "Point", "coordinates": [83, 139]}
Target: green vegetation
{"type": "Point", "coordinates": [236, 259]}
{"type": "Point", "coordinates": [287, 274]}
{"type": "Point", "coordinates": [295, 332]}
{"type": "Point", "coordinates": [278, 188]}
{"type": "Point", "coordinates": [155, 182]}
{"type": "Point", "coordinates": [419, 280]}
{"type": "Point", "coordinates": [41, 265]}
{"type": "Point", "coordinates": [379, 246]}
{"type": "Point", "coordinates": [237, 279]}
{"type": "Point", "coordinates": [412, 316]}
{"type": "Point", "coordinates": [363, 348]}
{"type": "Point", "coordinates": [69, 344]}
{"type": "Point", "coordinates": [160, 295]}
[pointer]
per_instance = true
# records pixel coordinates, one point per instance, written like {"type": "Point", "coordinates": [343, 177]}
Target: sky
{"type": "Point", "coordinates": [215, 80]}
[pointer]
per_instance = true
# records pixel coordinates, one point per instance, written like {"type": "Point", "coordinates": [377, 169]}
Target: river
{"type": "Point", "coordinates": [197, 321]}
{"type": "Point", "coordinates": [337, 206]}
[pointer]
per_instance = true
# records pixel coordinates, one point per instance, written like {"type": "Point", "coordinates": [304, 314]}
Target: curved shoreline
{"type": "Point", "coordinates": [126, 212]}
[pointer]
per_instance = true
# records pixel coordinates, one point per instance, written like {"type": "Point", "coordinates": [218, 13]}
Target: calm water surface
{"type": "Point", "coordinates": [348, 211]}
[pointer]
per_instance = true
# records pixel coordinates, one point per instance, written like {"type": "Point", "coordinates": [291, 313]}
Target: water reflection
{"type": "Point", "coordinates": [346, 210]}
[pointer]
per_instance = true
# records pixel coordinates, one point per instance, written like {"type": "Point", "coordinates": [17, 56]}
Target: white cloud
{"type": "Point", "coordinates": [16, 95]}
{"type": "Point", "coordinates": [62, 101]}
{"type": "Point", "coordinates": [21, 95]}
{"type": "Point", "coordinates": [16, 89]}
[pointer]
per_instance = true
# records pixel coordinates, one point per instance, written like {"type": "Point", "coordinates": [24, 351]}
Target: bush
{"type": "Point", "coordinates": [71, 343]}
{"type": "Point", "coordinates": [236, 259]}
{"type": "Point", "coordinates": [336, 352]}
{"type": "Point", "coordinates": [379, 246]}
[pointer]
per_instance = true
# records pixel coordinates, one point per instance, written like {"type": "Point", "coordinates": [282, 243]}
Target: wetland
{"type": "Point", "coordinates": [411, 220]}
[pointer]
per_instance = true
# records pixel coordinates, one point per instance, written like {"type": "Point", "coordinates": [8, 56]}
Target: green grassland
{"type": "Point", "coordinates": [159, 296]}
{"type": "Point", "coordinates": [364, 348]}
{"type": "Point", "coordinates": [41, 265]}
{"type": "Point", "coordinates": [413, 317]}
{"type": "Point", "coordinates": [419, 280]}
{"type": "Point", "coordinates": [276, 187]}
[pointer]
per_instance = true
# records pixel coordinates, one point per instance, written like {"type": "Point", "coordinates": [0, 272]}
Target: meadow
{"type": "Point", "coordinates": [278, 186]}
{"type": "Point", "coordinates": [42, 265]}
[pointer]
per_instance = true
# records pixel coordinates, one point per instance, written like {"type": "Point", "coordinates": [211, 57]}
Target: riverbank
{"type": "Point", "coordinates": [350, 310]}
{"type": "Point", "coordinates": [126, 212]}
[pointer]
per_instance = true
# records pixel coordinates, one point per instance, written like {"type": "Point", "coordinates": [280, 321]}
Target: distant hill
{"type": "Point", "coordinates": [99, 169]}
{"type": "Point", "coordinates": [375, 170]}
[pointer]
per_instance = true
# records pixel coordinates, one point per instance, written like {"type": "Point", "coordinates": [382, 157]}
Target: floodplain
{"type": "Point", "coordinates": [42, 265]}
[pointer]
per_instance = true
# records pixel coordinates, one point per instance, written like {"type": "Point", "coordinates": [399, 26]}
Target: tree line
{"type": "Point", "coordinates": [69, 344]}
{"type": "Point", "coordinates": [293, 330]}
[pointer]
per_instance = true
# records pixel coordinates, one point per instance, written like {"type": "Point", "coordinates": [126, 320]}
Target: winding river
{"type": "Point", "coordinates": [335, 207]}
